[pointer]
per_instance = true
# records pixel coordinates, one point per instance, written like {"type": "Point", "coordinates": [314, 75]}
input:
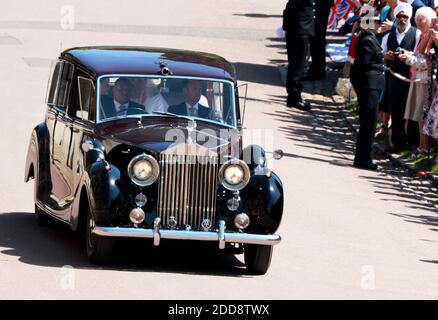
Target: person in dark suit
{"type": "Point", "coordinates": [368, 79]}
{"type": "Point", "coordinates": [192, 90]}
{"type": "Point", "coordinates": [120, 104]}
{"type": "Point", "coordinates": [429, 3]}
{"type": "Point", "coordinates": [416, 4]}
{"type": "Point", "coordinates": [299, 24]}
{"type": "Point", "coordinates": [318, 41]}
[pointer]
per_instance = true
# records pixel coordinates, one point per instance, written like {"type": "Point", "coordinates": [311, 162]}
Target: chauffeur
{"type": "Point", "coordinates": [367, 77]}
{"type": "Point", "coordinates": [298, 22]}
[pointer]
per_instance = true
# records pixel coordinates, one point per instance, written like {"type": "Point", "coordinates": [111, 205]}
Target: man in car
{"type": "Point", "coordinates": [120, 104]}
{"type": "Point", "coordinates": [192, 90]}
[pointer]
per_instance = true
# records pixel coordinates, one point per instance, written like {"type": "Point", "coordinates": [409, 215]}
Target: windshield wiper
{"type": "Point", "coordinates": [170, 114]}
{"type": "Point", "coordinates": [188, 118]}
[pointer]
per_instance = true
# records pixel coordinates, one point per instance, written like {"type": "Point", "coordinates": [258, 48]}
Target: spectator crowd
{"type": "Point", "coordinates": [408, 35]}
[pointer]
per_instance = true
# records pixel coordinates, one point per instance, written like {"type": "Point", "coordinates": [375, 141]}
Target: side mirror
{"type": "Point", "coordinates": [240, 126]}
{"type": "Point", "coordinates": [278, 154]}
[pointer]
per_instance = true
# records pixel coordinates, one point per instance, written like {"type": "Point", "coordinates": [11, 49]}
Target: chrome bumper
{"type": "Point", "coordinates": [221, 236]}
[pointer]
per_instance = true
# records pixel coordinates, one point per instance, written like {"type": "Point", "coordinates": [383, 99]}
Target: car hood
{"type": "Point", "coordinates": [159, 137]}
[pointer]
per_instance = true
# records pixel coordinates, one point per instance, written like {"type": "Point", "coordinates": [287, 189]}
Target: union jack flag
{"type": "Point", "coordinates": [339, 10]}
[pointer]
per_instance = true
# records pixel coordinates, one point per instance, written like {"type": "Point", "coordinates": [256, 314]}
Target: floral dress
{"type": "Point", "coordinates": [430, 126]}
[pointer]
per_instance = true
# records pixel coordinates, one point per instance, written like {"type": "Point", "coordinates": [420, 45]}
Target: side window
{"type": "Point", "coordinates": [64, 86]}
{"type": "Point", "coordinates": [60, 85]}
{"type": "Point", "coordinates": [87, 100]}
{"type": "Point", "coordinates": [53, 83]}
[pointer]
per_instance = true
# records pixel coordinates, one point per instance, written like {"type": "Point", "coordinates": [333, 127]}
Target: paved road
{"type": "Point", "coordinates": [347, 233]}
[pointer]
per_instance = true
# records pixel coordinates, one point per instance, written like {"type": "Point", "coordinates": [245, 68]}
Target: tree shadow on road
{"type": "Point", "coordinates": [430, 261]}
{"type": "Point", "coordinates": [257, 73]}
{"type": "Point", "coordinates": [326, 131]}
{"type": "Point", "coordinates": [258, 15]}
{"type": "Point", "coordinates": [419, 219]}
{"type": "Point", "coordinates": [308, 131]}
{"type": "Point", "coordinates": [57, 246]}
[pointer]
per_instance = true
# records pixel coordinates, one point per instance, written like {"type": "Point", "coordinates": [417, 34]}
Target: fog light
{"type": "Point", "coordinates": [137, 215]}
{"type": "Point", "coordinates": [140, 200]}
{"type": "Point", "coordinates": [241, 221]}
{"type": "Point", "coordinates": [233, 204]}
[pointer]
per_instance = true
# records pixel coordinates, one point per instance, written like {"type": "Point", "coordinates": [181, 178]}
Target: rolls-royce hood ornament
{"type": "Point", "coordinates": [191, 131]}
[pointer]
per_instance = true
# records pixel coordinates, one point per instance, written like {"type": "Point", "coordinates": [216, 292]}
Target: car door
{"type": "Point", "coordinates": [57, 121]}
{"type": "Point", "coordinates": [82, 114]}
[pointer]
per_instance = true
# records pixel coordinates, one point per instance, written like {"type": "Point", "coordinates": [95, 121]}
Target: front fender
{"type": "Point", "coordinates": [37, 164]}
{"type": "Point", "coordinates": [105, 195]}
{"type": "Point", "coordinates": [263, 200]}
{"type": "Point", "coordinates": [37, 142]}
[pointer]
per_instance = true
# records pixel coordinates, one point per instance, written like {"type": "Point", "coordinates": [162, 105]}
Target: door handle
{"type": "Point", "coordinates": [72, 127]}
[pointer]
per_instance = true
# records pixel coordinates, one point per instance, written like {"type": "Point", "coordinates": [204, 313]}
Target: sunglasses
{"type": "Point", "coordinates": [402, 16]}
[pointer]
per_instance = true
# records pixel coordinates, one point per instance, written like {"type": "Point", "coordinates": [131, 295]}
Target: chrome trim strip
{"type": "Point", "coordinates": [52, 213]}
{"type": "Point", "coordinates": [192, 187]}
{"type": "Point", "coordinates": [230, 237]}
{"type": "Point", "coordinates": [173, 187]}
{"type": "Point", "coordinates": [215, 186]}
{"type": "Point", "coordinates": [161, 185]}
{"type": "Point", "coordinates": [207, 194]}
{"type": "Point", "coordinates": [185, 210]}
{"type": "Point", "coordinates": [166, 190]}
{"type": "Point", "coordinates": [198, 189]}
{"type": "Point", "coordinates": [177, 189]}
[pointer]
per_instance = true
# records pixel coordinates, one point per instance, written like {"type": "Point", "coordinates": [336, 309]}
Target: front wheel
{"type": "Point", "coordinates": [258, 258]}
{"type": "Point", "coordinates": [99, 249]}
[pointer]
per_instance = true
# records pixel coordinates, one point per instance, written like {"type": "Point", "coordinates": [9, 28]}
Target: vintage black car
{"type": "Point", "coordinates": [146, 143]}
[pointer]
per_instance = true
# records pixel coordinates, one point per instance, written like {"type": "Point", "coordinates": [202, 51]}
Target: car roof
{"type": "Point", "coordinates": [103, 60]}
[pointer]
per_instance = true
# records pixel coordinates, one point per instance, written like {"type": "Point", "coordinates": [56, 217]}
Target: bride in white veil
{"type": "Point", "coordinates": [147, 93]}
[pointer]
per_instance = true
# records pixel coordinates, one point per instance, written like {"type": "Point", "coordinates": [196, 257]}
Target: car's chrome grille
{"type": "Point", "coordinates": [187, 189]}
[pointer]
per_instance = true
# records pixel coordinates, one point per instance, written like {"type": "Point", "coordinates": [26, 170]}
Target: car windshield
{"type": "Point", "coordinates": [131, 96]}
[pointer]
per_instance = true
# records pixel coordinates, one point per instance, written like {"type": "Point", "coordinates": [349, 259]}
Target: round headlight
{"type": "Point", "coordinates": [143, 170]}
{"type": "Point", "coordinates": [234, 175]}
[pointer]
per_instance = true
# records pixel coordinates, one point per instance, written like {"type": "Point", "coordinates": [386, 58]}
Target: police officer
{"type": "Point", "coordinates": [298, 22]}
{"type": "Point", "coordinates": [367, 77]}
